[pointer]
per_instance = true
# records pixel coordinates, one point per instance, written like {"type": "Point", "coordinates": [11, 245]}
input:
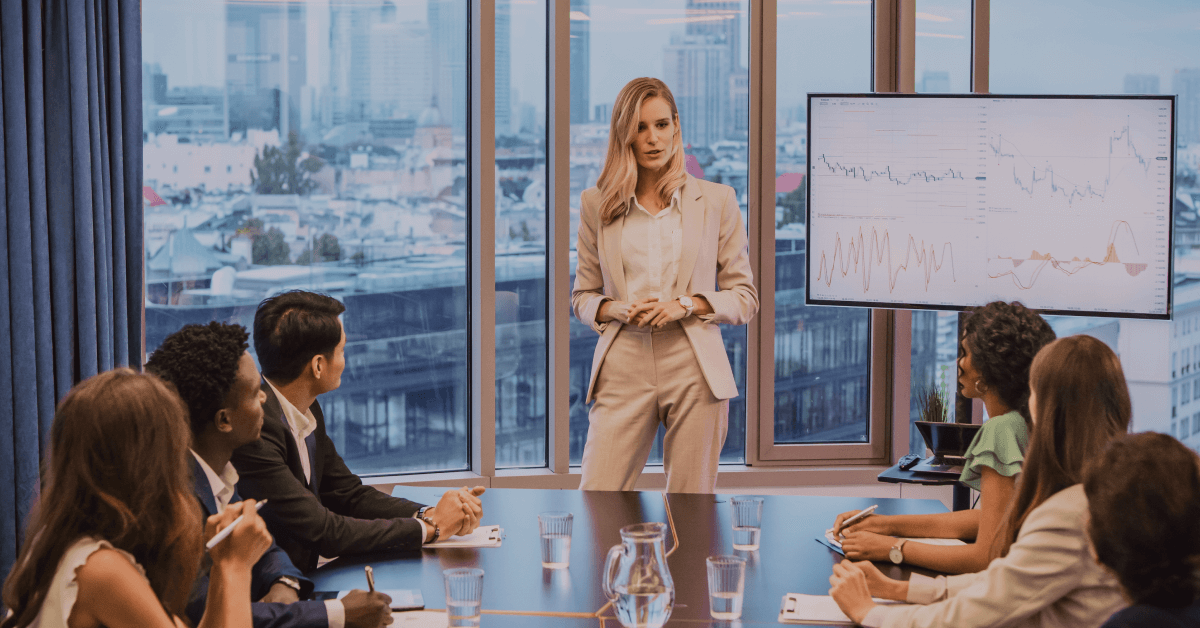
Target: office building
{"type": "Point", "coordinates": [581, 61]}
{"type": "Point", "coordinates": [1186, 85]}
{"type": "Point", "coordinates": [1141, 84]}
{"type": "Point", "coordinates": [696, 68]}
{"type": "Point", "coordinates": [265, 64]}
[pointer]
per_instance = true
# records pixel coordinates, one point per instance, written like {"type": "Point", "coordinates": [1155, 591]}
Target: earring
{"type": "Point", "coordinates": [980, 386]}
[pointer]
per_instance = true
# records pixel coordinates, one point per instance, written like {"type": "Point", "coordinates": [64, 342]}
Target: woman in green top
{"type": "Point", "coordinates": [999, 343]}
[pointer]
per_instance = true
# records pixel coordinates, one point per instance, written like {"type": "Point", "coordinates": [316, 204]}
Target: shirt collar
{"type": "Point", "coordinates": [222, 485]}
{"type": "Point", "coordinates": [302, 423]}
{"type": "Point", "coordinates": [633, 202]}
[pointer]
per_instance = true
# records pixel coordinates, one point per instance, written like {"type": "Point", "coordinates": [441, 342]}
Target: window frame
{"type": "Point", "coordinates": [892, 58]}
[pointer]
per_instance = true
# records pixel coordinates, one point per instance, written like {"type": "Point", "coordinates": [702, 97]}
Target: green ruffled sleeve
{"type": "Point", "coordinates": [1000, 445]}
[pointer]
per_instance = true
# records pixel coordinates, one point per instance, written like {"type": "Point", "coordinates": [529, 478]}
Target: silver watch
{"type": "Point", "coordinates": [688, 304]}
{"type": "Point", "coordinates": [896, 554]}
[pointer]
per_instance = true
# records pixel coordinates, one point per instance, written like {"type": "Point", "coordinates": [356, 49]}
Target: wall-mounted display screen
{"type": "Point", "coordinates": [947, 202]}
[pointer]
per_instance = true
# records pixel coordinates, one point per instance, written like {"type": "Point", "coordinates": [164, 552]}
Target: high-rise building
{"type": "Point", "coordinates": [265, 64]}
{"type": "Point", "coordinates": [935, 82]}
{"type": "Point", "coordinates": [504, 117]}
{"type": "Point", "coordinates": [721, 19]}
{"type": "Point", "coordinates": [737, 127]}
{"type": "Point", "coordinates": [581, 61]}
{"type": "Point", "coordinates": [1141, 83]}
{"type": "Point", "coordinates": [400, 81]}
{"type": "Point", "coordinates": [1186, 85]}
{"type": "Point", "coordinates": [695, 67]}
{"type": "Point", "coordinates": [448, 57]}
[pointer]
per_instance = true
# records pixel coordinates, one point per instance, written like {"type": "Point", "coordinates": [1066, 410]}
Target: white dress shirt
{"type": "Point", "coordinates": [222, 486]}
{"type": "Point", "coordinates": [650, 249]}
{"type": "Point", "coordinates": [301, 424]}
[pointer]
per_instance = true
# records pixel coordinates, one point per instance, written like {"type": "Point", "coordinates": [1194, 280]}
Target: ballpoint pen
{"type": "Point", "coordinates": [220, 536]}
{"type": "Point", "coordinates": [861, 515]}
{"type": "Point", "coordinates": [370, 578]}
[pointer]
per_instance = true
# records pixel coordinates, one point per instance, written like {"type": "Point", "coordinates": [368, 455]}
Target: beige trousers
{"type": "Point", "coordinates": [647, 378]}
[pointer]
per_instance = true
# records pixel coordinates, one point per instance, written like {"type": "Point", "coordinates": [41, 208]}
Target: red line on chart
{"type": "Point", "coordinates": [857, 251]}
{"type": "Point", "coordinates": [1074, 265]}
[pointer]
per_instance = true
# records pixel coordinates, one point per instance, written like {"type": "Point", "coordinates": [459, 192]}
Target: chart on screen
{"type": "Point", "coordinates": [1062, 203]}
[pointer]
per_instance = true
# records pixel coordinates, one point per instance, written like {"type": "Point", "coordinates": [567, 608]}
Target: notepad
{"type": "Point", "coordinates": [483, 536]}
{"type": "Point", "coordinates": [798, 608]}
{"type": "Point", "coordinates": [831, 541]}
{"type": "Point", "coordinates": [420, 619]}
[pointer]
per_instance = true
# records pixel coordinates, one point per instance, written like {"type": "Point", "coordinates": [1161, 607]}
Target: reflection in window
{"type": "Point", "coordinates": [699, 49]}
{"type": "Point", "coordinates": [1103, 53]}
{"type": "Point", "coordinates": [319, 146]}
{"type": "Point", "coordinates": [822, 354]}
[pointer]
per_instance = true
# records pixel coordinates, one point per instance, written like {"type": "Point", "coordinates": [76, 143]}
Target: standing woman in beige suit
{"type": "Point", "coordinates": [663, 260]}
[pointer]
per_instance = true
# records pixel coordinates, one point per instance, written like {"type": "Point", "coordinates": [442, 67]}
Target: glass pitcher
{"type": "Point", "coordinates": [636, 577]}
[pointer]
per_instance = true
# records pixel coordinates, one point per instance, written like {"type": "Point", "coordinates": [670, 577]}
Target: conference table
{"type": "Point", "coordinates": [517, 591]}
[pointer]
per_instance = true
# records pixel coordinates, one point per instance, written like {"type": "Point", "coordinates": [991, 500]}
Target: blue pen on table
{"type": "Point", "coordinates": [862, 514]}
{"type": "Point", "coordinates": [221, 536]}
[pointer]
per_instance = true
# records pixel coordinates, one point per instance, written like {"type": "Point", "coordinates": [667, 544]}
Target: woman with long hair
{"type": "Point", "coordinates": [1044, 575]}
{"type": "Point", "coordinates": [116, 539]}
{"type": "Point", "coordinates": [1144, 526]}
{"type": "Point", "coordinates": [998, 345]}
{"type": "Point", "coordinates": [663, 259]}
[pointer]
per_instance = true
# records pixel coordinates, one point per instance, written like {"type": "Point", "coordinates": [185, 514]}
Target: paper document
{"type": "Point", "coordinates": [420, 619]}
{"type": "Point", "coordinates": [834, 543]}
{"type": "Point", "coordinates": [799, 608]}
{"type": "Point", "coordinates": [483, 536]}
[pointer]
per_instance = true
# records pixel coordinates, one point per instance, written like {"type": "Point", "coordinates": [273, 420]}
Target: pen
{"type": "Point", "coordinates": [861, 515]}
{"type": "Point", "coordinates": [370, 578]}
{"type": "Point", "coordinates": [220, 536]}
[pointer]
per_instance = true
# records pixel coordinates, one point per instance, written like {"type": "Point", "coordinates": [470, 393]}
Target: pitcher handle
{"type": "Point", "coordinates": [610, 566]}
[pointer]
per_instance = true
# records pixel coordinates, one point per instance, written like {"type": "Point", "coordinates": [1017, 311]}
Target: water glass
{"type": "Point", "coordinates": [464, 596]}
{"type": "Point", "coordinates": [726, 584]}
{"type": "Point", "coordinates": [555, 530]}
{"type": "Point", "coordinates": [747, 517]}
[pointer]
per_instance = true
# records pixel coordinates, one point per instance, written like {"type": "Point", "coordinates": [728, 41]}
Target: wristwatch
{"type": "Point", "coordinates": [437, 532]}
{"type": "Point", "coordinates": [289, 582]}
{"type": "Point", "coordinates": [687, 304]}
{"type": "Point", "coordinates": [897, 551]}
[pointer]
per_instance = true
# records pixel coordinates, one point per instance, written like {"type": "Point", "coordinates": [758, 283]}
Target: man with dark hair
{"type": "Point", "coordinates": [214, 374]}
{"type": "Point", "coordinates": [318, 506]}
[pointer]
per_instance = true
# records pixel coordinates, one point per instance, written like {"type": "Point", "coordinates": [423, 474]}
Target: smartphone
{"type": "Point", "coordinates": [402, 599]}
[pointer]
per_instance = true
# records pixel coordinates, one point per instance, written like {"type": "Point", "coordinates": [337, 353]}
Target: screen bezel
{"type": "Point", "coordinates": [808, 298]}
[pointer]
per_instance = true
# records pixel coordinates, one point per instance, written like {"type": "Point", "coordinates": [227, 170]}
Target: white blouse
{"type": "Point", "coordinates": [650, 249]}
{"type": "Point", "coordinates": [64, 588]}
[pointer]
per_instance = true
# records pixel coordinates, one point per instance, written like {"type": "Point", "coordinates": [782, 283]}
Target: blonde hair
{"type": "Point", "coordinates": [618, 179]}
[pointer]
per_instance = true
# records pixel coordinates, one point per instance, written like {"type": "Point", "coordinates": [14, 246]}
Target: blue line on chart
{"type": "Point", "coordinates": [858, 172]}
{"type": "Point", "coordinates": [1077, 191]}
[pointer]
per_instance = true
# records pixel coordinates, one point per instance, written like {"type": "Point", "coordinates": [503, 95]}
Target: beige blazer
{"type": "Point", "coordinates": [714, 263]}
{"type": "Point", "coordinates": [1048, 580]}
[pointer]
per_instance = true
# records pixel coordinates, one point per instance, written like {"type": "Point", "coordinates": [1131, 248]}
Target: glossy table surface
{"type": "Point", "coordinates": [789, 559]}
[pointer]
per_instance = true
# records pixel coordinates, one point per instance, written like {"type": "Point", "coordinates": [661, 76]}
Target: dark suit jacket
{"type": "Point", "coordinates": [1143, 616]}
{"type": "Point", "coordinates": [335, 514]}
{"type": "Point", "coordinates": [267, 570]}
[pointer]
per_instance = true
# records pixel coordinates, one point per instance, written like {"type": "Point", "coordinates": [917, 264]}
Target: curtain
{"type": "Point", "coordinates": [71, 233]}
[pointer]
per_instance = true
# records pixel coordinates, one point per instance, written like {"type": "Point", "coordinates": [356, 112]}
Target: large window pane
{"type": "Point", "coordinates": [521, 233]}
{"type": "Point", "coordinates": [1141, 48]}
{"type": "Point", "coordinates": [822, 354]}
{"type": "Point", "coordinates": [699, 48]}
{"type": "Point", "coordinates": [320, 145]}
{"type": "Point", "coordinates": [943, 46]}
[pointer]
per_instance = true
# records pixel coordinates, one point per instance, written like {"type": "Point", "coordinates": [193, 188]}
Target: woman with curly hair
{"type": "Point", "coordinates": [999, 343]}
{"type": "Point", "coordinates": [116, 537]}
{"type": "Point", "coordinates": [1144, 526]}
{"type": "Point", "coordinates": [1044, 576]}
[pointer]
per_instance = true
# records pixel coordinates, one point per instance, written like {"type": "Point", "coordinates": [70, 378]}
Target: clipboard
{"type": "Point", "coordinates": [483, 536]}
{"type": "Point", "coordinates": [797, 608]}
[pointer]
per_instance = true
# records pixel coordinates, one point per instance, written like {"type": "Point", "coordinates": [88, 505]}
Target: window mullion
{"type": "Point", "coordinates": [558, 233]}
{"type": "Point", "coordinates": [482, 232]}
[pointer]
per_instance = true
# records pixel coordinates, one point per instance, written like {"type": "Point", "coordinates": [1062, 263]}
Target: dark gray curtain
{"type": "Point", "coordinates": [71, 234]}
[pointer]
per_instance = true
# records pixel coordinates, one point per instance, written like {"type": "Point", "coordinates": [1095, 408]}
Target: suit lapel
{"type": "Point", "coordinates": [204, 492]}
{"type": "Point", "coordinates": [612, 255]}
{"type": "Point", "coordinates": [693, 208]}
{"type": "Point", "coordinates": [272, 411]}
{"type": "Point", "coordinates": [311, 442]}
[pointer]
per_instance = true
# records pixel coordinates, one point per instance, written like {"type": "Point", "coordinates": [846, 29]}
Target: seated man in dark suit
{"type": "Point", "coordinates": [214, 374]}
{"type": "Point", "coordinates": [318, 507]}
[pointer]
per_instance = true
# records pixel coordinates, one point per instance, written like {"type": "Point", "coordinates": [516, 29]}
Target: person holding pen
{"type": "Point", "coordinates": [999, 343]}
{"type": "Point", "coordinates": [213, 372]}
{"type": "Point", "coordinates": [116, 537]}
{"type": "Point", "coordinates": [1044, 575]}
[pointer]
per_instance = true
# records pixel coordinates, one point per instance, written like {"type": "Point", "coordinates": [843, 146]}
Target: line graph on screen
{"type": "Point", "coordinates": [857, 257]}
{"type": "Point", "coordinates": [1026, 279]}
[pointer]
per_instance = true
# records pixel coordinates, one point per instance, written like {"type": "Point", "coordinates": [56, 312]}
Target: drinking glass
{"type": "Point", "coordinates": [747, 517]}
{"type": "Point", "coordinates": [726, 583]}
{"type": "Point", "coordinates": [464, 596]}
{"type": "Point", "coordinates": [555, 530]}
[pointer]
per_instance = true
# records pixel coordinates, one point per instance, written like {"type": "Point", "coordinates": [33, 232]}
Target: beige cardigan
{"type": "Point", "coordinates": [714, 263]}
{"type": "Point", "coordinates": [1048, 580]}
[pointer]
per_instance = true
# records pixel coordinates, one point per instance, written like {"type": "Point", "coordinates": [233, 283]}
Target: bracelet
{"type": "Point", "coordinates": [437, 532]}
{"type": "Point", "coordinates": [289, 582]}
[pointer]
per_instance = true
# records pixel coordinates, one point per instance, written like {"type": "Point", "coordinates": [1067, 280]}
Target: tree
{"type": "Point", "coordinates": [282, 171]}
{"type": "Point", "coordinates": [328, 250]}
{"type": "Point", "coordinates": [794, 204]}
{"type": "Point", "coordinates": [270, 248]}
